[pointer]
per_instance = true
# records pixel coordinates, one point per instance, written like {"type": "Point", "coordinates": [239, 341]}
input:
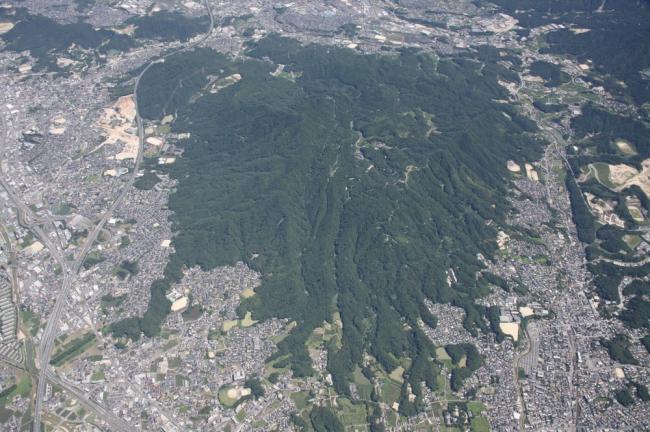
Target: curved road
{"type": "Point", "coordinates": [47, 341]}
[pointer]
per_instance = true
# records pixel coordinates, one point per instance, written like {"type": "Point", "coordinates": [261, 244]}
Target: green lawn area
{"type": "Point", "coordinates": [480, 424]}
{"type": "Point", "coordinates": [391, 418]}
{"type": "Point", "coordinates": [476, 408]}
{"type": "Point", "coordinates": [632, 240]}
{"type": "Point", "coordinates": [390, 391]}
{"type": "Point", "coordinates": [259, 424]}
{"type": "Point", "coordinates": [364, 387]}
{"type": "Point", "coordinates": [98, 376]}
{"type": "Point", "coordinates": [443, 384]}
{"type": "Point", "coordinates": [603, 174]}
{"type": "Point", "coordinates": [180, 380]}
{"type": "Point", "coordinates": [30, 320]}
{"type": "Point", "coordinates": [350, 413]}
{"type": "Point", "coordinates": [315, 340]}
{"type": "Point", "coordinates": [22, 388]}
{"type": "Point", "coordinates": [300, 399]}
{"type": "Point", "coordinates": [241, 415]}
{"type": "Point", "coordinates": [94, 358]}
{"type": "Point", "coordinates": [397, 374]}
{"type": "Point", "coordinates": [441, 354]}
{"type": "Point", "coordinates": [73, 348]}
{"type": "Point", "coordinates": [169, 345]}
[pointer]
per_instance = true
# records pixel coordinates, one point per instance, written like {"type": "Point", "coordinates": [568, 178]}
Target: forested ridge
{"type": "Point", "coordinates": [45, 38]}
{"type": "Point", "coordinates": [617, 42]}
{"type": "Point", "coordinates": [352, 189]}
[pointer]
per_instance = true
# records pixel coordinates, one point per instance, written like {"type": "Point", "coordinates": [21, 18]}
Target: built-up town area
{"type": "Point", "coordinates": [82, 243]}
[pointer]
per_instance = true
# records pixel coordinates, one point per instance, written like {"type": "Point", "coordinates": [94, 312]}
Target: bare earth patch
{"type": "Point", "coordinates": [5, 27]}
{"type": "Point", "coordinates": [127, 30]}
{"type": "Point", "coordinates": [510, 329]}
{"type": "Point", "coordinates": [64, 62]}
{"type": "Point", "coordinates": [154, 141]}
{"type": "Point", "coordinates": [513, 166]}
{"type": "Point", "coordinates": [118, 123]}
{"type": "Point", "coordinates": [57, 130]}
{"type": "Point", "coordinates": [503, 24]}
{"type": "Point", "coordinates": [502, 240]}
{"type": "Point", "coordinates": [531, 173]}
{"type": "Point", "coordinates": [604, 210]}
{"type": "Point", "coordinates": [633, 204]}
{"type": "Point", "coordinates": [623, 176]}
{"type": "Point", "coordinates": [625, 147]}
{"type": "Point", "coordinates": [247, 293]}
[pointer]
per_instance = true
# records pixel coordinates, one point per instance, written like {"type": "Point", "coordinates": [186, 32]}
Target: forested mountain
{"type": "Point", "coordinates": [354, 183]}
{"type": "Point", "coordinates": [616, 39]}
{"type": "Point", "coordinates": [45, 38]}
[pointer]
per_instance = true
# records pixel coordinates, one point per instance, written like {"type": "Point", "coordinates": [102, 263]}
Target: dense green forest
{"type": "Point", "coordinates": [619, 349]}
{"type": "Point", "coordinates": [168, 26]}
{"type": "Point", "coordinates": [617, 42]}
{"type": "Point", "coordinates": [351, 189]}
{"type": "Point", "coordinates": [584, 220]}
{"type": "Point", "coordinates": [473, 362]}
{"type": "Point", "coordinates": [551, 73]}
{"type": "Point", "coordinates": [324, 420]}
{"type": "Point", "coordinates": [624, 397]}
{"type": "Point", "coordinates": [147, 181]}
{"type": "Point", "coordinates": [598, 128]}
{"type": "Point", "coordinates": [44, 38]}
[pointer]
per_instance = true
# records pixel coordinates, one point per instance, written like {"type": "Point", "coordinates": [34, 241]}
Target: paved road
{"type": "Point", "coordinates": [114, 422]}
{"type": "Point", "coordinates": [24, 214]}
{"type": "Point", "coordinates": [49, 335]}
{"type": "Point", "coordinates": [12, 263]}
{"type": "Point", "coordinates": [103, 413]}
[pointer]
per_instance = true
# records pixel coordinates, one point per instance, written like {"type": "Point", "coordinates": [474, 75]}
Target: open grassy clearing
{"type": "Point", "coordinates": [480, 424]}
{"type": "Point", "coordinates": [476, 408]}
{"type": "Point", "coordinates": [351, 414]}
{"type": "Point", "coordinates": [390, 391]}
{"type": "Point", "coordinates": [247, 321]}
{"type": "Point", "coordinates": [600, 171]}
{"type": "Point", "coordinates": [632, 240]}
{"type": "Point", "coordinates": [300, 399]}
{"type": "Point", "coordinates": [364, 386]}
{"type": "Point", "coordinates": [397, 374]}
{"type": "Point", "coordinates": [73, 348]}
